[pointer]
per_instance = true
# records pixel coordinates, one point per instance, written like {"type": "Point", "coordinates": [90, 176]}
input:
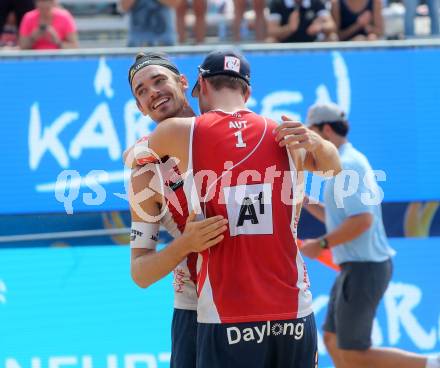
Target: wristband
{"type": "Point", "coordinates": [323, 243]}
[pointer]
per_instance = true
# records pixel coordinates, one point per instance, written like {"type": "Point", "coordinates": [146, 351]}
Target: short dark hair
{"type": "Point", "coordinates": [227, 81]}
{"type": "Point", "coordinates": [339, 127]}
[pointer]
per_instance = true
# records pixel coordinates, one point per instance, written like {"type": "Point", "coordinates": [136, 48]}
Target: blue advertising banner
{"type": "Point", "coordinates": [66, 121]}
{"type": "Point", "coordinates": [77, 307]}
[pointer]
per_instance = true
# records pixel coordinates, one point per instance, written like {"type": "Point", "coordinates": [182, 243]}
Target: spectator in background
{"type": "Point", "coordinates": [152, 22]}
{"type": "Point", "coordinates": [48, 27]}
{"type": "Point", "coordinates": [357, 239]}
{"type": "Point", "coordinates": [8, 38]}
{"type": "Point", "coordinates": [199, 9]}
{"type": "Point", "coordinates": [18, 7]}
{"type": "Point", "coordinates": [260, 20]}
{"type": "Point", "coordinates": [301, 21]}
{"type": "Point", "coordinates": [410, 13]}
{"type": "Point", "coordinates": [358, 20]}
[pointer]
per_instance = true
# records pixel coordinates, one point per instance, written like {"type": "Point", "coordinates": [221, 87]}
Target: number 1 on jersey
{"type": "Point", "coordinates": [240, 143]}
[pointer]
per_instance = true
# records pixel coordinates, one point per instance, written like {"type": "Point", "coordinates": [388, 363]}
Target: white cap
{"type": "Point", "coordinates": [325, 113]}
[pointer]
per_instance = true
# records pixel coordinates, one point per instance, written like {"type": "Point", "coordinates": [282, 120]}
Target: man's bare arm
{"type": "Point", "coordinates": [148, 265]}
{"type": "Point", "coordinates": [321, 158]}
{"type": "Point", "coordinates": [350, 229]}
{"type": "Point", "coordinates": [324, 159]}
{"type": "Point", "coordinates": [170, 138]}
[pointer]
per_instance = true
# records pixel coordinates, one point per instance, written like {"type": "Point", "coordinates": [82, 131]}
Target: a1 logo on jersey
{"type": "Point", "coordinates": [249, 209]}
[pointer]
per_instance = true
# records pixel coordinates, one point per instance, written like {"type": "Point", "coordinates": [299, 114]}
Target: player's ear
{"type": "Point", "coordinates": [203, 85]}
{"type": "Point", "coordinates": [184, 81]}
{"type": "Point", "coordinates": [326, 129]}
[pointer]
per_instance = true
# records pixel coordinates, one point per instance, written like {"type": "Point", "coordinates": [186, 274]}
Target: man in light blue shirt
{"type": "Point", "coordinates": [357, 195]}
{"type": "Point", "coordinates": [356, 236]}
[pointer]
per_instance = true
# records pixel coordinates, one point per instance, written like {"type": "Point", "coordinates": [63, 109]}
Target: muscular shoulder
{"type": "Point", "coordinates": [146, 178]}
{"type": "Point", "coordinates": [173, 125]}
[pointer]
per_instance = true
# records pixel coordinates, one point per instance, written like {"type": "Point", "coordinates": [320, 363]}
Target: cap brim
{"type": "Point", "coordinates": [195, 90]}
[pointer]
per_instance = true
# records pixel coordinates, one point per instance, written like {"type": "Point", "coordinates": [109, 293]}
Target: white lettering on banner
{"type": "Point", "coordinates": [164, 357]}
{"type": "Point", "coordinates": [131, 361]}
{"type": "Point", "coordinates": [343, 90]}
{"type": "Point", "coordinates": [12, 363]}
{"type": "Point", "coordinates": [60, 362]}
{"type": "Point", "coordinates": [141, 360]}
{"type": "Point", "coordinates": [376, 334]}
{"type": "Point", "coordinates": [400, 301]}
{"type": "Point", "coordinates": [3, 290]}
{"type": "Point", "coordinates": [322, 95]}
{"type": "Point", "coordinates": [272, 101]}
{"type": "Point", "coordinates": [98, 131]}
{"type": "Point", "coordinates": [90, 137]}
{"type": "Point", "coordinates": [136, 127]}
{"type": "Point", "coordinates": [103, 79]}
{"type": "Point", "coordinates": [275, 99]}
{"type": "Point", "coordinates": [87, 361]}
{"type": "Point", "coordinates": [40, 142]}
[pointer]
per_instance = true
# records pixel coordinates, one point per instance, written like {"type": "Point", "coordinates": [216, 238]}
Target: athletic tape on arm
{"type": "Point", "coordinates": [143, 154]}
{"type": "Point", "coordinates": [144, 235]}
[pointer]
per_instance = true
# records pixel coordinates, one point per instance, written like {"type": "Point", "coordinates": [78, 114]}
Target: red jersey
{"type": "Point", "coordinates": [174, 220]}
{"type": "Point", "coordinates": [256, 273]}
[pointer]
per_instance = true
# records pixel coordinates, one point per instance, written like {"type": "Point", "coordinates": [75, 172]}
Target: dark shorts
{"type": "Point", "coordinates": [183, 339]}
{"type": "Point", "coordinates": [353, 302]}
{"type": "Point", "coordinates": [289, 344]}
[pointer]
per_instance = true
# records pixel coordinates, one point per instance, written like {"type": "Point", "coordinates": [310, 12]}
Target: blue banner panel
{"type": "Point", "coordinates": [66, 121]}
{"type": "Point", "coordinates": [77, 307]}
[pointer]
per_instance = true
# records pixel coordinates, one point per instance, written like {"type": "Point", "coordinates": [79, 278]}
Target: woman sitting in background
{"type": "Point", "coordinates": [358, 20]}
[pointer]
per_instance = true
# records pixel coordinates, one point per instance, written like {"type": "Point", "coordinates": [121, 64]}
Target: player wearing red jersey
{"type": "Point", "coordinates": [165, 98]}
{"type": "Point", "coordinates": [254, 305]}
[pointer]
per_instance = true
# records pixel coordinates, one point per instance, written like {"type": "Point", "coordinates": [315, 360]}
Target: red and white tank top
{"type": "Point", "coordinates": [256, 273]}
{"type": "Point", "coordinates": [174, 220]}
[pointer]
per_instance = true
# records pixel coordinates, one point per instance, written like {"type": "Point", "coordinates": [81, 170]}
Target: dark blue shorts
{"type": "Point", "coordinates": [271, 344]}
{"type": "Point", "coordinates": [183, 339]}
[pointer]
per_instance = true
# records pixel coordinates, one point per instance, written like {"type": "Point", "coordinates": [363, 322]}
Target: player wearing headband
{"type": "Point", "coordinates": [159, 90]}
{"type": "Point", "coordinates": [254, 304]}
